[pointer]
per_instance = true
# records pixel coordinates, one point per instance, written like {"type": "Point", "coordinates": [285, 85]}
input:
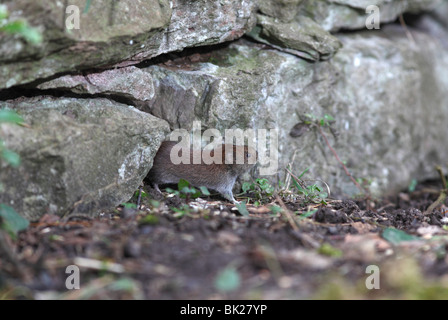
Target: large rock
{"type": "Point", "coordinates": [129, 83]}
{"type": "Point", "coordinates": [303, 37]}
{"type": "Point", "coordinates": [114, 32]}
{"type": "Point", "coordinates": [334, 15]}
{"type": "Point", "coordinates": [78, 155]}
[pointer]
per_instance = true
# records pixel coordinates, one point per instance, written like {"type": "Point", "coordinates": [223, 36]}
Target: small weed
{"type": "Point", "coordinates": [311, 193]}
{"type": "Point", "coordinates": [10, 220]}
{"type": "Point", "coordinates": [242, 208]}
{"type": "Point", "coordinates": [20, 27]}
{"type": "Point", "coordinates": [275, 210]}
{"type": "Point", "coordinates": [328, 250]}
{"type": "Point", "coordinates": [228, 279]}
{"type": "Point", "coordinates": [149, 219]}
{"type": "Point", "coordinates": [261, 189]}
{"type": "Point", "coordinates": [412, 185]}
{"type": "Point", "coordinates": [185, 210]}
{"type": "Point", "coordinates": [9, 156]}
{"type": "Point", "coordinates": [187, 191]}
{"type": "Point", "coordinates": [307, 214]}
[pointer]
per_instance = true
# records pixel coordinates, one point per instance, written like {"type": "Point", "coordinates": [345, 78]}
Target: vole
{"type": "Point", "coordinates": [220, 177]}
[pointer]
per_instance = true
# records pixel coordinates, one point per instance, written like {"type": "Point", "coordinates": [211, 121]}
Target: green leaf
{"type": "Point", "coordinates": [182, 184]}
{"type": "Point", "coordinates": [307, 214]}
{"type": "Point", "coordinates": [11, 157]}
{"type": "Point", "coordinates": [276, 209]}
{"type": "Point", "coordinates": [86, 8]}
{"type": "Point", "coordinates": [169, 190]}
{"type": "Point", "coordinates": [228, 280]}
{"type": "Point", "coordinates": [296, 184]}
{"type": "Point", "coordinates": [246, 186]}
{"type": "Point", "coordinates": [396, 236]}
{"type": "Point", "coordinates": [304, 171]}
{"type": "Point", "coordinates": [412, 185]}
{"type": "Point", "coordinates": [21, 27]}
{"type": "Point", "coordinates": [3, 12]}
{"type": "Point", "coordinates": [204, 191]}
{"type": "Point", "coordinates": [11, 221]}
{"type": "Point", "coordinates": [149, 219]}
{"type": "Point", "coordinates": [128, 205]}
{"type": "Point", "coordinates": [10, 116]}
{"type": "Point", "coordinates": [123, 284]}
{"type": "Point", "coordinates": [328, 250]}
{"type": "Point", "coordinates": [242, 208]}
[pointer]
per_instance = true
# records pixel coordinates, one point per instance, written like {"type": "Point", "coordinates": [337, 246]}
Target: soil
{"type": "Point", "coordinates": [211, 251]}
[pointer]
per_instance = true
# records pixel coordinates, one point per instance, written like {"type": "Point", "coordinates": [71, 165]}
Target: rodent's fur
{"type": "Point", "coordinates": [218, 177]}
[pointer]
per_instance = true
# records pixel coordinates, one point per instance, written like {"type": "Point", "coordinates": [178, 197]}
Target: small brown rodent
{"type": "Point", "coordinates": [219, 177]}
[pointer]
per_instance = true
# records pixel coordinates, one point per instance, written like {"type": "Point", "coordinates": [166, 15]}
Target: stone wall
{"type": "Point", "coordinates": [98, 101]}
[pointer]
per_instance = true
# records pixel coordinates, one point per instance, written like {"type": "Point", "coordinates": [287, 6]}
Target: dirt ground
{"type": "Point", "coordinates": [211, 251]}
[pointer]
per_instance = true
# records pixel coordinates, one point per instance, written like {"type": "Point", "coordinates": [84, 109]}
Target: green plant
{"type": "Point", "coordinates": [10, 220]}
{"type": "Point", "coordinates": [261, 189]}
{"type": "Point", "coordinates": [228, 279]}
{"type": "Point", "coordinates": [185, 210]}
{"type": "Point", "coordinates": [328, 250]}
{"type": "Point", "coordinates": [311, 193]}
{"type": "Point", "coordinates": [275, 210]}
{"type": "Point", "coordinates": [242, 208]}
{"type": "Point", "coordinates": [87, 6]}
{"type": "Point", "coordinates": [128, 205]}
{"type": "Point", "coordinates": [412, 185]}
{"type": "Point", "coordinates": [9, 156]}
{"type": "Point", "coordinates": [307, 214]}
{"type": "Point", "coordinates": [327, 120]}
{"type": "Point", "coordinates": [149, 219]}
{"type": "Point", "coordinates": [186, 191]}
{"type": "Point", "coordinates": [310, 121]}
{"type": "Point", "coordinates": [21, 27]}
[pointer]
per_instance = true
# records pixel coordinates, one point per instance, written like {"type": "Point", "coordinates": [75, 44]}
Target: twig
{"type": "Point", "coordinates": [406, 30]}
{"type": "Point", "coordinates": [299, 181]}
{"type": "Point", "coordinates": [339, 160]}
{"type": "Point", "coordinates": [442, 195]}
{"type": "Point", "coordinates": [442, 177]}
{"type": "Point", "coordinates": [139, 197]}
{"type": "Point", "coordinates": [8, 255]}
{"type": "Point", "coordinates": [287, 213]}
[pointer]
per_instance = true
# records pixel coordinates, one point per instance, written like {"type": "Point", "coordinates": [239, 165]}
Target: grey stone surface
{"type": "Point", "coordinates": [334, 15]}
{"type": "Point", "coordinates": [303, 37]}
{"type": "Point", "coordinates": [78, 155]}
{"type": "Point", "coordinates": [114, 32]}
{"type": "Point", "coordinates": [388, 97]}
{"type": "Point", "coordinates": [128, 82]}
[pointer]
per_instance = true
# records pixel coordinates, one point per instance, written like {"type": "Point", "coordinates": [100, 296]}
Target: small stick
{"type": "Point", "coordinates": [339, 160]}
{"type": "Point", "coordinates": [139, 197]}
{"type": "Point", "coordinates": [405, 27]}
{"type": "Point", "coordinates": [442, 176]}
{"type": "Point", "coordinates": [442, 195]}
{"type": "Point", "coordinates": [287, 213]}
